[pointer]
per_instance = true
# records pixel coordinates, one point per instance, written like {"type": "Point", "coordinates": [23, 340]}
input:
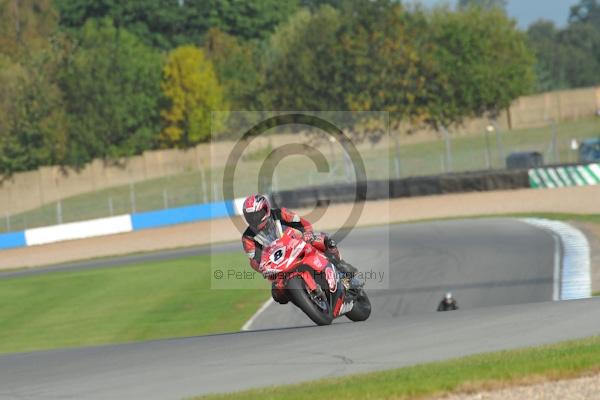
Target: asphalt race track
{"type": "Point", "coordinates": [482, 263]}
{"type": "Point", "coordinates": [500, 271]}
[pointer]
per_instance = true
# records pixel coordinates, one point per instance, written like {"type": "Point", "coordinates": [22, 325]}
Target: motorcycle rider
{"type": "Point", "coordinates": [448, 303]}
{"type": "Point", "coordinates": [260, 217]}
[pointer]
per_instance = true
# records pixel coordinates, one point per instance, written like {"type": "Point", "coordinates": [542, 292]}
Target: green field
{"type": "Point", "coordinates": [122, 304]}
{"type": "Point", "coordinates": [468, 153]}
{"type": "Point", "coordinates": [480, 372]}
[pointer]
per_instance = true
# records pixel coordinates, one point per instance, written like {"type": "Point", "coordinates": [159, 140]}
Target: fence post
{"type": "Point", "coordinates": [132, 196]}
{"type": "Point", "coordinates": [499, 143]}
{"type": "Point", "coordinates": [165, 198]}
{"type": "Point", "coordinates": [397, 157]}
{"type": "Point", "coordinates": [347, 164]}
{"type": "Point", "coordinates": [448, 149]}
{"type": "Point", "coordinates": [203, 182]}
{"type": "Point", "coordinates": [215, 191]}
{"type": "Point", "coordinates": [7, 215]}
{"type": "Point", "coordinates": [111, 209]}
{"type": "Point", "coordinates": [59, 216]}
{"type": "Point", "coordinates": [488, 151]}
{"type": "Point", "coordinates": [555, 154]}
{"type": "Point", "coordinates": [332, 159]}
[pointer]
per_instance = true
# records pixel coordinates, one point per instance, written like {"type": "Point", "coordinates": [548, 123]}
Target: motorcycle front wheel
{"type": "Point", "coordinates": [317, 309]}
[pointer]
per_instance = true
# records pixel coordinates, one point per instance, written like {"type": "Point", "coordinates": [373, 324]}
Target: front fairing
{"type": "Point", "coordinates": [316, 260]}
{"type": "Point", "coordinates": [289, 251]}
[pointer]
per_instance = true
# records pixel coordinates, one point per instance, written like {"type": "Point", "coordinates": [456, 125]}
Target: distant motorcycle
{"type": "Point", "coordinates": [448, 303]}
{"type": "Point", "coordinates": [312, 281]}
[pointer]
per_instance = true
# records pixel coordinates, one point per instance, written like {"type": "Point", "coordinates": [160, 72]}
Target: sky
{"type": "Point", "coordinates": [527, 11]}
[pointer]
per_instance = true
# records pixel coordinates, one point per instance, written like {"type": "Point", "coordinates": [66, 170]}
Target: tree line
{"type": "Point", "coordinates": [568, 57]}
{"type": "Point", "coordinates": [84, 79]}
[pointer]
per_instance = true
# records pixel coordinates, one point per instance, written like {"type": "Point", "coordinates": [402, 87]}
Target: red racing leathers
{"type": "Point", "coordinates": [290, 219]}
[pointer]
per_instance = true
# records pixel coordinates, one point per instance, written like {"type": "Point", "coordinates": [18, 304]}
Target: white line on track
{"type": "Point", "coordinates": [262, 308]}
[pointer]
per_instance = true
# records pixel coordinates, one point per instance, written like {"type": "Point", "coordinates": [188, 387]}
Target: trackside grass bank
{"type": "Point", "coordinates": [480, 372]}
{"type": "Point", "coordinates": [121, 304]}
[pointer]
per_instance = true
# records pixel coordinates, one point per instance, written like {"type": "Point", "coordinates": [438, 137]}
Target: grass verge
{"type": "Point", "coordinates": [468, 374]}
{"type": "Point", "coordinates": [153, 300]}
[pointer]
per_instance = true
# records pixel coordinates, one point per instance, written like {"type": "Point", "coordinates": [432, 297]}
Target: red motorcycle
{"type": "Point", "coordinates": [313, 283]}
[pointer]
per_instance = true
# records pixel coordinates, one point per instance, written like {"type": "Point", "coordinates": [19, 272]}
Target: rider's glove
{"type": "Point", "coordinates": [309, 237]}
{"type": "Point", "coordinates": [269, 273]}
{"type": "Point", "coordinates": [330, 243]}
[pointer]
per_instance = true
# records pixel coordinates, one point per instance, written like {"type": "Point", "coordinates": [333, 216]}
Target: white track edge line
{"type": "Point", "coordinates": [262, 308]}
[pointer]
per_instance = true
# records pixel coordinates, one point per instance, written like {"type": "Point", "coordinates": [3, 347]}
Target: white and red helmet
{"type": "Point", "coordinates": [257, 211]}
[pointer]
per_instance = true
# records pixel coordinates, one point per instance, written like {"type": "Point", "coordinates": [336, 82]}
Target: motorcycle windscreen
{"type": "Point", "coordinates": [267, 235]}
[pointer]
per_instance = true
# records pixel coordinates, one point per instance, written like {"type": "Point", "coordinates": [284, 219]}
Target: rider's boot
{"type": "Point", "coordinates": [347, 271]}
{"type": "Point", "coordinates": [279, 293]}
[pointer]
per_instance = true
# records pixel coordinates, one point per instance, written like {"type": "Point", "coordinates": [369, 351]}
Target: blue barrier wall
{"type": "Point", "coordinates": [181, 215]}
{"type": "Point", "coordinates": [12, 239]}
{"type": "Point", "coordinates": [143, 220]}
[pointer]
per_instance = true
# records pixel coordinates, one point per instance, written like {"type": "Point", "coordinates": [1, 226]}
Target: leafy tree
{"type": "Point", "coordinates": [385, 63]}
{"type": "Point", "coordinates": [484, 4]}
{"type": "Point", "coordinates": [191, 87]}
{"type": "Point", "coordinates": [483, 64]}
{"type": "Point", "coordinates": [374, 55]}
{"type": "Point", "coordinates": [168, 24]}
{"type": "Point", "coordinates": [542, 37]}
{"type": "Point", "coordinates": [580, 45]}
{"type": "Point", "coordinates": [586, 11]}
{"type": "Point", "coordinates": [582, 38]}
{"type": "Point", "coordinates": [33, 127]}
{"type": "Point", "coordinates": [302, 63]}
{"type": "Point", "coordinates": [26, 26]}
{"type": "Point", "coordinates": [32, 117]}
{"type": "Point", "coordinates": [252, 19]}
{"type": "Point", "coordinates": [315, 4]}
{"type": "Point", "coordinates": [112, 87]}
{"type": "Point", "coordinates": [568, 57]}
{"type": "Point", "coordinates": [239, 67]}
{"type": "Point", "coordinates": [163, 24]}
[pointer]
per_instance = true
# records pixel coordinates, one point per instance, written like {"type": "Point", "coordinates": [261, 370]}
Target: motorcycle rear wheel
{"type": "Point", "coordinates": [300, 297]}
